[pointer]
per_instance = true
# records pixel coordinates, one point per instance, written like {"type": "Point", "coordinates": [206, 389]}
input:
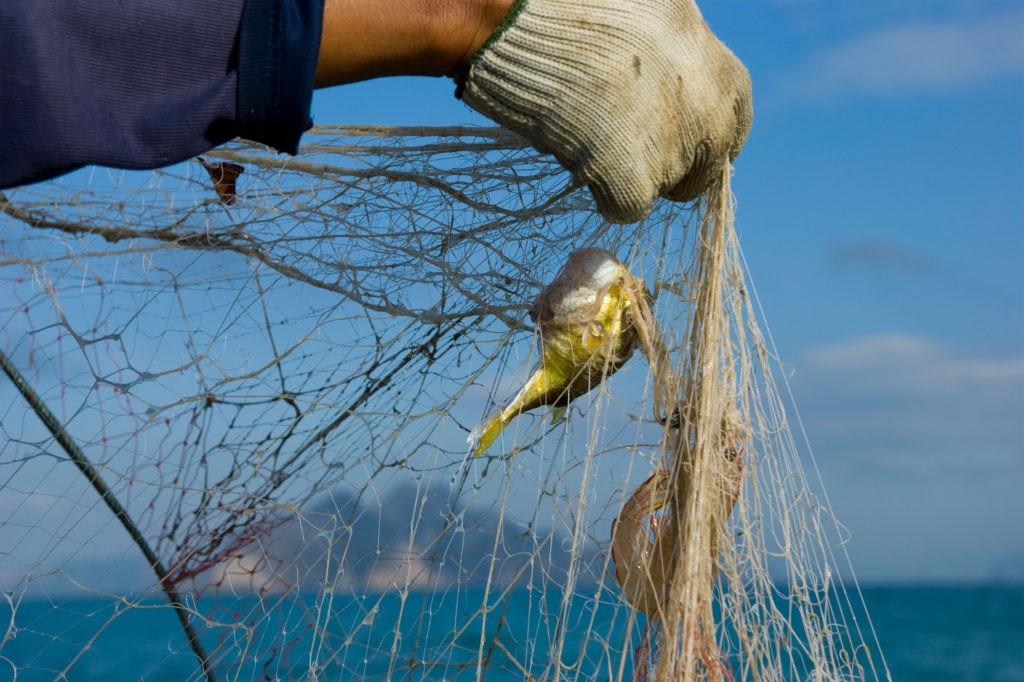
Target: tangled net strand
{"type": "Point", "coordinates": [273, 381]}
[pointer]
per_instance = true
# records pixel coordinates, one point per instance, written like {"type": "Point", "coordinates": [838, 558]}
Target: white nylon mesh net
{"type": "Point", "coordinates": [268, 401]}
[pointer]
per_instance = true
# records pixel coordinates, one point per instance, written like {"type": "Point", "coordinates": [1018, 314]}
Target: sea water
{"type": "Point", "coordinates": [926, 633]}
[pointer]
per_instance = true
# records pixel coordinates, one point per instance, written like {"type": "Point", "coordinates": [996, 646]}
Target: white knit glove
{"type": "Point", "coordinates": [636, 97]}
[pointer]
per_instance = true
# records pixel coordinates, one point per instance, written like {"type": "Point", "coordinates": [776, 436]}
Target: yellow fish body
{"type": "Point", "coordinates": [586, 333]}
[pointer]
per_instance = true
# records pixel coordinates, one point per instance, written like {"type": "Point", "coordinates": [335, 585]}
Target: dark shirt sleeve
{"type": "Point", "coordinates": [147, 83]}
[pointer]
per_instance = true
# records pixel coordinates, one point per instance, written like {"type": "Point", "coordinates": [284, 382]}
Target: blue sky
{"type": "Point", "coordinates": [881, 211]}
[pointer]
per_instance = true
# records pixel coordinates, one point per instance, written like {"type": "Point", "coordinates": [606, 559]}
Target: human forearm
{"type": "Point", "coordinates": [365, 39]}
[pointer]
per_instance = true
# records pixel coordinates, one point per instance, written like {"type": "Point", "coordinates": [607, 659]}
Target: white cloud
{"type": "Point", "coordinates": [914, 408]}
{"type": "Point", "coordinates": [916, 57]}
{"type": "Point", "coordinates": [903, 363]}
{"type": "Point", "coordinates": [879, 255]}
{"type": "Point", "coordinates": [920, 446]}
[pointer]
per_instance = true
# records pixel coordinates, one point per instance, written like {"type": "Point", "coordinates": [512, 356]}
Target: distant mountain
{"type": "Point", "coordinates": [413, 539]}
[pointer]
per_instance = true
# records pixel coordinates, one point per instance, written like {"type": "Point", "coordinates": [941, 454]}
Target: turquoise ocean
{"type": "Point", "coordinates": [926, 633]}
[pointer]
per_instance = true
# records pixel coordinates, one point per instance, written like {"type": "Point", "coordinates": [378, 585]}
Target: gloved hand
{"type": "Point", "coordinates": [636, 97]}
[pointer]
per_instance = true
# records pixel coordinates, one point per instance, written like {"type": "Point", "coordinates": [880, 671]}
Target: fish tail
{"type": "Point", "coordinates": [534, 393]}
{"type": "Point", "coordinates": [486, 433]}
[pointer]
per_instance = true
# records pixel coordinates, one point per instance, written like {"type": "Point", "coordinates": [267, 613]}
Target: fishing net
{"type": "Point", "coordinates": [234, 443]}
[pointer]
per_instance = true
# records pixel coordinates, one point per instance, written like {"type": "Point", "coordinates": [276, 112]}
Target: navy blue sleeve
{"type": "Point", "coordinates": [147, 83]}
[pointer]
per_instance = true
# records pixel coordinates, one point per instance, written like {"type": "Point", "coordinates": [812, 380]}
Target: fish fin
{"type": "Point", "coordinates": [558, 413]}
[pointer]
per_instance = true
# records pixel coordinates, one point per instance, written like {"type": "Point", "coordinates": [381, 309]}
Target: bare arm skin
{"type": "Point", "coordinates": [364, 39]}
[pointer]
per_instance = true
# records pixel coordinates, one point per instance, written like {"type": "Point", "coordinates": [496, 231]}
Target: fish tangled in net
{"type": "Point", "coordinates": [586, 333]}
{"type": "Point", "coordinates": [274, 380]}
